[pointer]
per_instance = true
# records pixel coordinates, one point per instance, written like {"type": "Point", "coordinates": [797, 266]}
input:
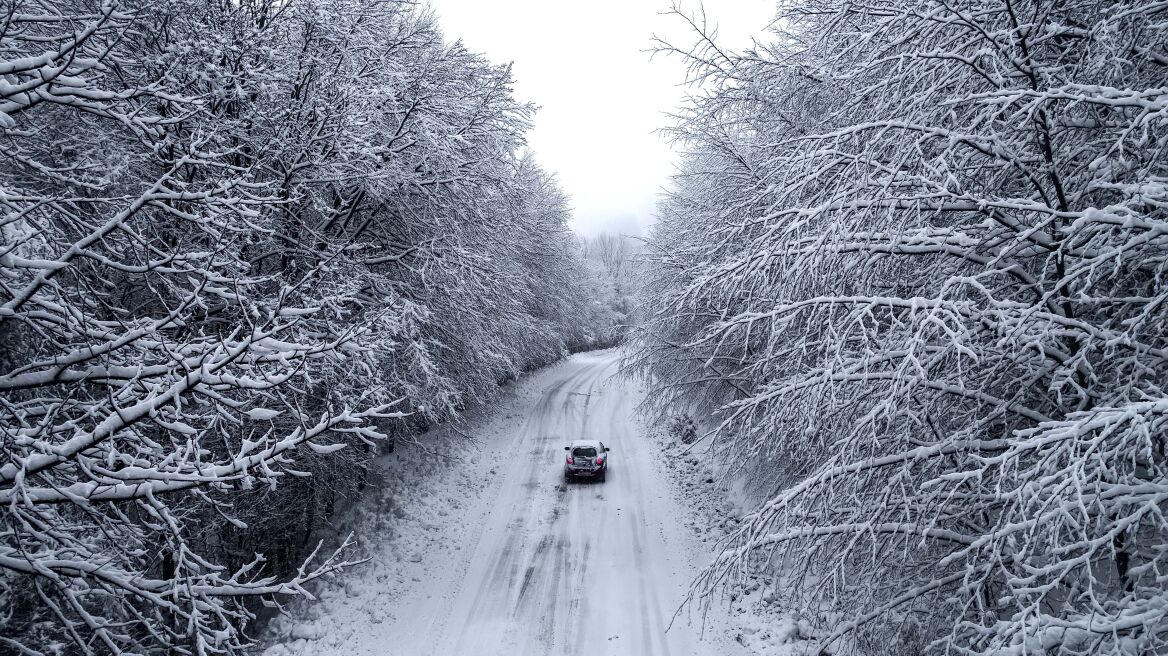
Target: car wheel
{"type": "Point", "coordinates": [602, 475]}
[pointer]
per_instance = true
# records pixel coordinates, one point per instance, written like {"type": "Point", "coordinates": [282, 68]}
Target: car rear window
{"type": "Point", "coordinates": [584, 451]}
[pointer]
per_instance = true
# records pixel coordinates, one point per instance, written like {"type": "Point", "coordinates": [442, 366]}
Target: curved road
{"type": "Point", "coordinates": [548, 568]}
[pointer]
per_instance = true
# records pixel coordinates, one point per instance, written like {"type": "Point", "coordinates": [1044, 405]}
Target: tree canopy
{"type": "Point", "coordinates": [913, 270]}
{"type": "Point", "coordinates": [241, 244]}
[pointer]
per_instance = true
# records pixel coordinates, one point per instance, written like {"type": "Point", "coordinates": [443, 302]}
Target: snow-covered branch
{"type": "Point", "coordinates": [242, 245]}
{"type": "Point", "coordinates": [921, 295]}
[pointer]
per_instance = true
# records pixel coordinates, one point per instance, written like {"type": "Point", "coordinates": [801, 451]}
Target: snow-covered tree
{"type": "Point", "coordinates": [914, 268]}
{"type": "Point", "coordinates": [235, 238]}
{"type": "Point", "coordinates": [611, 263]}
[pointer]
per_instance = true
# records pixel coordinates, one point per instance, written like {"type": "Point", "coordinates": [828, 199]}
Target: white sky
{"type": "Point", "coordinates": [585, 63]}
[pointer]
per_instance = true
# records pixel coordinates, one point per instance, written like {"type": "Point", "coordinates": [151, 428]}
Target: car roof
{"type": "Point", "coordinates": [576, 443]}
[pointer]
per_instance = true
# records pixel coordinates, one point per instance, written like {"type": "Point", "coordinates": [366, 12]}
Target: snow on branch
{"type": "Point", "coordinates": [921, 294]}
{"type": "Point", "coordinates": [242, 246]}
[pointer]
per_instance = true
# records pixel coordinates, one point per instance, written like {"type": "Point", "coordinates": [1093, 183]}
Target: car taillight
{"type": "Point", "coordinates": [599, 461]}
{"type": "Point", "coordinates": [570, 461]}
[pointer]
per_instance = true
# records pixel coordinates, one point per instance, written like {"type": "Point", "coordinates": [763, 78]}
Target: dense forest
{"type": "Point", "coordinates": [909, 284]}
{"type": "Point", "coordinates": [244, 247]}
{"type": "Point", "coordinates": [911, 276]}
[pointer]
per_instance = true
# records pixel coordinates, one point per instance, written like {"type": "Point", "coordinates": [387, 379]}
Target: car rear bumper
{"type": "Point", "coordinates": [583, 473]}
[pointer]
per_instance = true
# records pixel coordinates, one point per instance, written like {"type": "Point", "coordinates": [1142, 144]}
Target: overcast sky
{"type": "Point", "coordinates": [601, 98]}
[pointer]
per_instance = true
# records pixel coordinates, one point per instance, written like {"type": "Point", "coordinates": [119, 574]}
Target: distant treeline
{"type": "Point", "coordinates": [612, 262]}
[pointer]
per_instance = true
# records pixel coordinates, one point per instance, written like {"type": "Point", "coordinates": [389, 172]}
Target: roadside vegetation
{"type": "Point", "coordinates": [911, 276]}
{"type": "Point", "coordinates": [244, 246]}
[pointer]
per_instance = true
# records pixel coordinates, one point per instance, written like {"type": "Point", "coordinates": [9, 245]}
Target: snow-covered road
{"type": "Point", "coordinates": [538, 566]}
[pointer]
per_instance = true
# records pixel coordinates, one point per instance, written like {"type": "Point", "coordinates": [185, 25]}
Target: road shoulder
{"type": "Point", "coordinates": [748, 612]}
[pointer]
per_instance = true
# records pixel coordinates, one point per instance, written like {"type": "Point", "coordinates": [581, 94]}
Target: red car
{"type": "Point", "coordinates": [586, 459]}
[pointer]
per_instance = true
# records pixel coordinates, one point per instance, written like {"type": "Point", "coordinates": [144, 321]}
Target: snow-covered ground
{"type": "Point", "coordinates": [489, 552]}
{"type": "Point", "coordinates": [757, 618]}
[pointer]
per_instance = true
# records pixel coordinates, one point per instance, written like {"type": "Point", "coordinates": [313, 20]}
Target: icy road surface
{"type": "Point", "coordinates": [544, 567]}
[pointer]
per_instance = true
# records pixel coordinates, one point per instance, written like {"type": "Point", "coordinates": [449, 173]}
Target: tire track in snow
{"type": "Point", "coordinates": [540, 430]}
{"type": "Point", "coordinates": [504, 565]}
